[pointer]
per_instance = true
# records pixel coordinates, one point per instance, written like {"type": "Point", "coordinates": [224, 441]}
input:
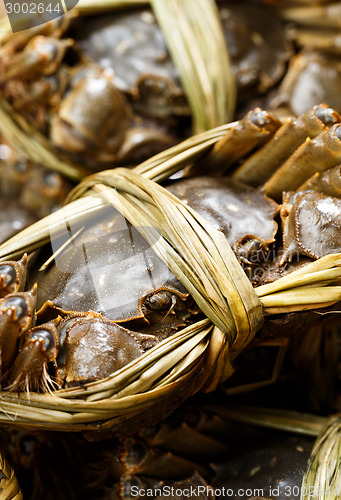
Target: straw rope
{"type": "Point", "coordinates": [199, 355]}
{"type": "Point", "coordinates": [35, 146]}
{"type": "Point", "coordinates": [322, 478]}
{"type": "Point", "coordinates": [205, 68]}
{"type": "Point", "coordinates": [9, 487]}
{"type": "Point", "coordinates": [223, 291]}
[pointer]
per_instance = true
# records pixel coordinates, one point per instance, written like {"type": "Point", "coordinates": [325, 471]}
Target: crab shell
{"type": "Point", "coordinates": [93, 103]}
{"type": "Point", "coordinates": [312, 77]}
{"type": "Point", "coordinates": [311, 217]}
{"type": "Point", "coordinates": [120, 66]}
{"type": "Point", "coordinates": [177, 454]}
{"type": "Point", "coordinates": [94, 348]}
{"type": "Point", "coordinates": [110, 268]}
{"type": "Point", "coordinates": [133, 46]}
{"type": "Point", "coordinates": [27, 190]}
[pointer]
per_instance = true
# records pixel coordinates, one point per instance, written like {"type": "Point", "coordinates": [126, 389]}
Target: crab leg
{"type": "Point", "coordinates": [328, 182]}
{"type": "Point", "coordinates": [39, 347]}
{"type": "Point", "coordinates": [312, 156]}
{"type": "Point", "coordinates": [156, 463]}
{"type": "Point", "coordinates": [256, 128]}
{"type": "Point", "coordinates": [14, 42]}
{"type": "Point", "coordinates": [259, 167]}
{"type": "Point", "coordinates": [16, 312]}
{"type": "Point", "coordinates": [320, 16]}
{"type": "Point", "coordinates": [12, 276]}
{"type": "Point", "coordinates": [325, 40]}
{"type": "Point", "coordinates": [42, 55]}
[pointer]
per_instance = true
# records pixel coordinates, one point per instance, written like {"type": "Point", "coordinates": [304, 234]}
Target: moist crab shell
{"type": "Point", "coordinates": [132, 45]}
{"type": "Point", "coordinates": [111, 269]}
{"type": "Point", "coordinates": [96, 348]}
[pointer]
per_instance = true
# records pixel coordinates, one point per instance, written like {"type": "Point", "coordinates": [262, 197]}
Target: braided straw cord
{"type": "Point", "coordinates": [322, 478]}
{"type": "Point", "coordinates": [9, 487]}
{"type": "Point", "coordinates": [192, 248]}
{"type": "Point", "coordinates": [197, 45]}
{"type": "Point", "coordinates": [196, 356]}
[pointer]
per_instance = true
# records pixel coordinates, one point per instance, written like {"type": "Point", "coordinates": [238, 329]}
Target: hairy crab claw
{"type": "Point", "coordinates": [42, 55]}
{"type": "Point", "coordinates": [93, 348]}
{"type": "Point", "coordinates": [38, 348]}
{"type": "Point", "coordinates": [135, 97]}
{"type": "Point", "coordinates": [12, 276]}
{"type": "Point", "coordinates": [17, 312]}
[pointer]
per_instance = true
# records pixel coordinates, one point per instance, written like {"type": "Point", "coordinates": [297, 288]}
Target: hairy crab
{"type": "Point", "coordinates": [139, 57]}
{"type": "Point", "coordinates": [315, 68]}
{"type": "Point", "coordinates": [115, 74]}
{"type": "Point", "coordinates": [311, 78]}
{"type": "Point", "coordinates": [105, 282]}
{"type": "Point", "coordinates": [28, 190]}
{"type": "Point", "coordinates": [189, 451]}
{"type": "Point", "coordinates": [98, 312]}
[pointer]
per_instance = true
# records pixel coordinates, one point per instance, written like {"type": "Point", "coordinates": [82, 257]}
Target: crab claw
{"type": "Point", "coordinates": [42, 55]}
{"type": "Point", "coordinates": [92, 348]}
{"type": "Point", "coordinates": [12, 276]}
{"type": "Point", "coordinates": [39, 347]}
{"type": "Point", "coordinates": [16, 312]}
{"type": "Point", "coordinates": [100, 106]}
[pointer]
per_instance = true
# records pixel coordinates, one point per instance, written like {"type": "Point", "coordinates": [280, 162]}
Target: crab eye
{"type": "Point", "coordinates": [338, 132]}
{"type": "Point", "coordinates": [328, 116]}
{"type": "Point", "coordinates": [159, 301]}
{"type": "Point", "coordinates": [20, 167]}
{"type": "Point", "coordinates": [48, 49]}
{"type": "Point", "coordinates": [64, 329]}
{"type": "Point", "coordinates": [128, 485]}
{"type": "Point", "coordinates": [259, 118]}
{"type": "Point", "coordinates": [8, 273]}
{"type": "Point", "coordinates": [45, 335]}
{"type": "Point", "coordinates": [52, 180]}
{"type": "Point", "coordinates": [18, 304]}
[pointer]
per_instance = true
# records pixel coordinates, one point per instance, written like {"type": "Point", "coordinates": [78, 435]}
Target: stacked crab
{"type": "Point", "coordinates": [106, 297]}
{"type": "Point", "coordinates": [116, 71]}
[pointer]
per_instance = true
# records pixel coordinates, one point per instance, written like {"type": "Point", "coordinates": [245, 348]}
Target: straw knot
{"type": "Point", "coordinates": [197, 253]}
